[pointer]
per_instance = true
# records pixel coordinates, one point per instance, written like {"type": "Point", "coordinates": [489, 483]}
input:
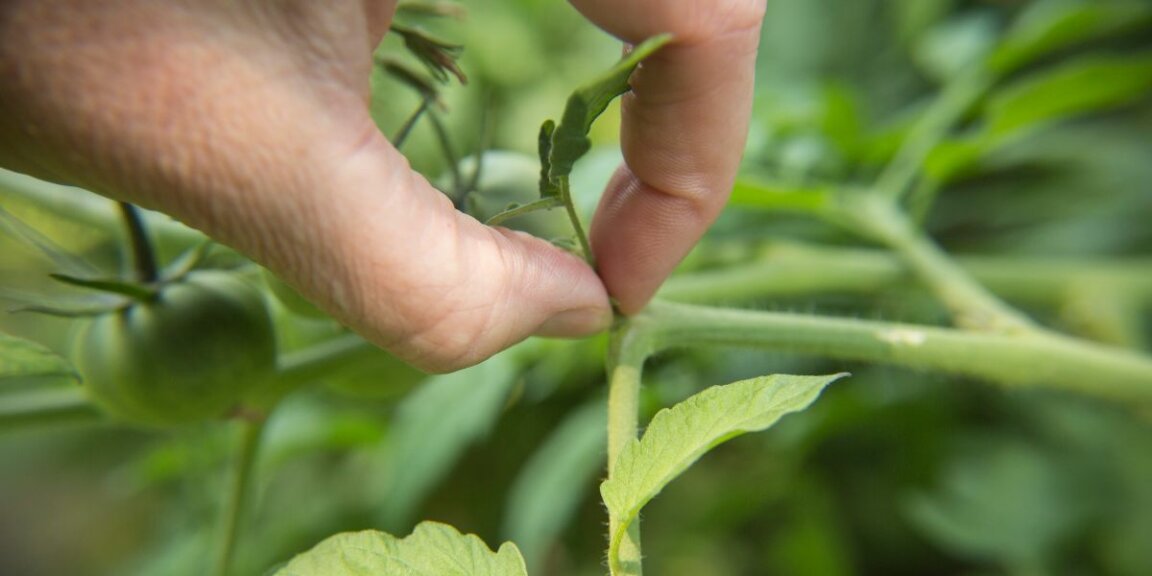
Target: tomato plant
{"type": "Point", "coordinates": [945, 200]}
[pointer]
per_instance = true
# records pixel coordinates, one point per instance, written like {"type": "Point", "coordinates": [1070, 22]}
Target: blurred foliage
{"type": "Point", "coordinates": [893, 472]}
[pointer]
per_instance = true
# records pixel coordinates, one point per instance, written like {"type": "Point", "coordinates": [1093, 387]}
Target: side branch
{"type": "Point", "coordinates": [1022, 359]}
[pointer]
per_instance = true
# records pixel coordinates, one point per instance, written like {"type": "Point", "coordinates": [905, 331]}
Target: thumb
{"type": "Point", "coordinates": [393, 259]}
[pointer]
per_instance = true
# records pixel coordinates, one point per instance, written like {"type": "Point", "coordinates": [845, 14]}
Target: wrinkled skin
{"type": "Point", "coordinates": [249, 121]}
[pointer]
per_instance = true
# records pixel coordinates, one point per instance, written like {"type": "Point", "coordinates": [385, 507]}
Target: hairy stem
{"type": "Point", "coordinates": [1023, 359]}
{"type": "Point", "coordinates": [789, 270]}
{"type": "Point", "coordinates": [897, 178]}
{"type": "Point", "coordinates": [972, 305]}
{"type": "Point", "coordinates": [239, 490]}
{"type": "Point", "coordinates": [566, 198]}
{"type": "Point", "coordinates": [450, 157]}
{"type": "Point", "coordinates": [405, 129]}
{"type": "Point", "coordinates": [629, 349]}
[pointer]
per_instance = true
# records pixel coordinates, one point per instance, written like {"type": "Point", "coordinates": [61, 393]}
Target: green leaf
{"type": "Point", "coordinates": [435, 424]}
{"type": "Point", "coordinates": [1085, 85]}
{"type": "Point", "coordinates": [432, 549]}
{"type": "Point", "coordinates": [570, 140]}
{"type": "Point", "coordinates": [1051, 26]}
{"type": "Point", "coordinates": [555, 481]}
{"type": "Point", "coordinates": [547, 188]}
{"type": "Point", "coordinates": [680, 435]}
{"type": "Point", "coordinates": [23, 360]}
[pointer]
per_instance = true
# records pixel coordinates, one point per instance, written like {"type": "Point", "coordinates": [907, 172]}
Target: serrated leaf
{"type": "Point", "coordinates": [435, 424]}
{"type": "Point", "coordinates": [680, 435]}
{"type": "Point", "coordinates": [1051, 26]}
{"type": "Point", "coordinates": [1085, 85]}
{"type": "Point", "coordinates": [555, 480]}
{"type": "Point", "coordinates": [22, 360]}
{"type": "Point", "coordinates": [433, 549]}
{"type": "Point", "coordinates": [570, 140]}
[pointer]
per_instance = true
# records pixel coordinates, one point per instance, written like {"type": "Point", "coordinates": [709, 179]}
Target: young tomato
{"type": "Point", "coordinates": [189, 355]}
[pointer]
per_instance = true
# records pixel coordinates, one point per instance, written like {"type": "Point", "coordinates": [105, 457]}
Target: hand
{"type": "Point", "coordinates": [249, 120]}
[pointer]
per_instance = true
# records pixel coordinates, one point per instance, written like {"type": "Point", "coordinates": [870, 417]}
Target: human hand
{"type": "Point", "coordinates": [250, 122]}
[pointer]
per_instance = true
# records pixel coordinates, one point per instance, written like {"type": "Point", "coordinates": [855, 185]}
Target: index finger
{"type": "Point", "coordinates": [684, 128]}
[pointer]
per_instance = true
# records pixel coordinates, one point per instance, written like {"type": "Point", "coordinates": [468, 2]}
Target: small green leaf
{"type": "Point", "coordinates": [22, 360]}
{"type": "Point", "coordinates": [432, 549]}
{"type": "Point", "coordinates": [680, 435]}
{"type": "Point", "coordinates": [570, 140]}
{"type": "Point", "coordinates": [1085, 85]}
{"type": "Point", "coordinates": [1051, 26]}
{"type": "Point", "coordinates": [547, 188]}
{"type": "Point", "coordinates": [435, 424]}
{"type": "Point", "coordinates": [517, 210]}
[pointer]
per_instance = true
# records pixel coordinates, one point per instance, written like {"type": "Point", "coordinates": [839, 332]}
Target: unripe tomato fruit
{"type": "Point", "coordinates": [190, 355]}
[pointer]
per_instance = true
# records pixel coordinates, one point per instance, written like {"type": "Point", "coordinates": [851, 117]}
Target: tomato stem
{"type": "Point", "coordinates": [143, 256]}
{"type": "Point", "coordinates": [566, 198]}
{"type": "Point", "coordinates": [251, 430]}
{"type": "Point", "coordinates": [630, 347]}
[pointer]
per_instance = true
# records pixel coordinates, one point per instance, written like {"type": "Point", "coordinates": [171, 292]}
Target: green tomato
{"type": "Point", "coordinates": [191, 355]}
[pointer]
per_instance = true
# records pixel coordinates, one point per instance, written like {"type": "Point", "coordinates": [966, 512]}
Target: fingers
{"type": "Point", "coordinates": [684, 128]}
{"type": "Point", "coordinates": [436, 287]}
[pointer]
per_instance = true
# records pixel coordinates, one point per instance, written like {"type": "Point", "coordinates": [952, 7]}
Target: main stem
{"type": "Point", "coordinates": [629, 350]}
{"type": "Point", "coordinates": [1027, 359]}
{"type": "Point", "coordinates": [972, 305]}
{"type": "Point", "coordinates": [238, 492]}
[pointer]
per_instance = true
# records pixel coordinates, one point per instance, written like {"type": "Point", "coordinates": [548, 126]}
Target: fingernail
{"type": "Point", "coordinates": [576, 323]}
